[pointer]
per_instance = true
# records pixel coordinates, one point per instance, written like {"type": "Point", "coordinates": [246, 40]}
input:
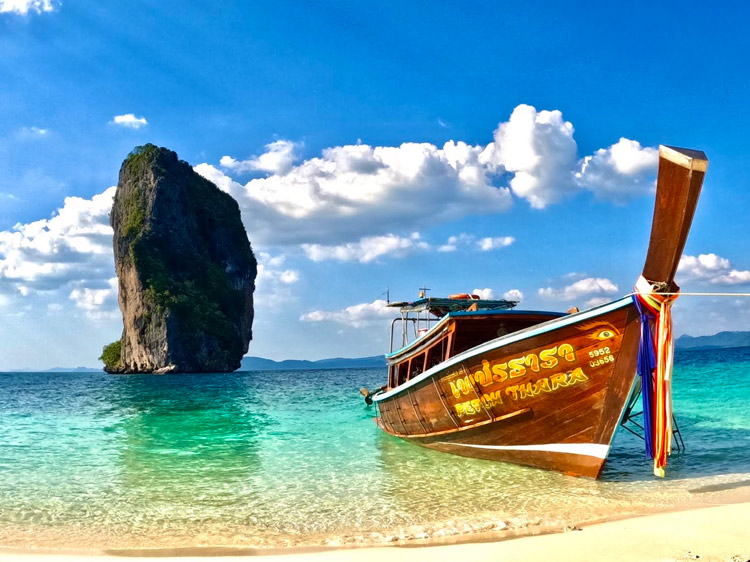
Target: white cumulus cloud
{"type": "Point", "coordinates": [453, 242]}
{"type": "Point", "coordinates": [129, 120]}
{"type": "Point", "coordinates": [538, 148]}
{"type": "Point", "coordinates": [74, 245]}
{"type": "Point", "coordinates": [68, 256]}
{"type": "Point", "coordinates": [24, 7]}
{"type": "Point", "coordinates": [353, 191]}
{"type": "Point", "coordinates": [486, 294]}
{"type": "Point", "coordinates": [710, 268]}
{"type": "Point", "coordinates": [513, 295]}
{"type": "Point", "coordinates": [356, 316]}
{"type": "Point", "coordinates": [623, 170]}
{"type": "Point", "coordinates": [278, 158]}
{"type": "Point", "coordinates": [588, 287]}
{"type": "Point", "coordinates": [289, 276]}
{"type": "Point", "coordinates": [493, 243]}
{"type": "Point", "coordinates": [273, 285]}
{"type": "Point", "coordinates": [271, 270]}
{"type": "Point", "coordinates": [367, 249]}
{"type": "Point", "coordinates": [469, 241]}
{"type": "Point", "coordinates": [267, 275]}
{"type": "Point", "coordinates": [97, 302]}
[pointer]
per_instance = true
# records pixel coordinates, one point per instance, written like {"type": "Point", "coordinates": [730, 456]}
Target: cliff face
{"type": "Point", "coordinates": [185, 268]}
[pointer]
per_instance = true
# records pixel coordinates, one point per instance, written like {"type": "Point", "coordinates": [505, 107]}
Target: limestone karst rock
{"type": "Point", "coordinates": [185, 268]}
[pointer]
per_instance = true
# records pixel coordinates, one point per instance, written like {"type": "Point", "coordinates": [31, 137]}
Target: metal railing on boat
{"type": "Point", "coordinates": [630, 416]}
{"type": "Point", "coordinates": [404, 331]}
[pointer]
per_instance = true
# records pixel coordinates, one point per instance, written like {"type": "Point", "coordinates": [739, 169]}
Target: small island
{"type": "Point", "coordinates": [186, 270]}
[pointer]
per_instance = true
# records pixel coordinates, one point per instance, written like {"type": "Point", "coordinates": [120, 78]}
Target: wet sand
{"type": "Point", "coordinates": [710, 533]}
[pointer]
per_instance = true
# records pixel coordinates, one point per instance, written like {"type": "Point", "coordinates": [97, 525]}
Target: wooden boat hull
{"type": "Point", "coordinates": [550, 396]}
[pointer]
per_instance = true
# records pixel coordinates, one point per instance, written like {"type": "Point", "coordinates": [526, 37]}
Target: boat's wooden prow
{"type": "Point", "coordinates": [685, 157]}
{"type": "Point", "coordinates": [679, 182]}
{"type": "Point", "coordinates": [680, 178]}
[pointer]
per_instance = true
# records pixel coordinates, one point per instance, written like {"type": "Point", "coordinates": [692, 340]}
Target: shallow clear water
{"type": "Point", "coordinates": [288, 458]}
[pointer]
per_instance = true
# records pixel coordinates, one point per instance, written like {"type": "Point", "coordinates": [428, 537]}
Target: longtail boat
{"type": "Point", "coordinates": [479, 378]}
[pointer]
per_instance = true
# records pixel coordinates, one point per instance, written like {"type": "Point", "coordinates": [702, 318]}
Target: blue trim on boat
{"type": "Point", "coordinates": [530, 332]}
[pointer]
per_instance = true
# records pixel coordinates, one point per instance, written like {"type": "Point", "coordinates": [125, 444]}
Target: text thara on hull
{"type": "Point", "coordinates": [479, 378]}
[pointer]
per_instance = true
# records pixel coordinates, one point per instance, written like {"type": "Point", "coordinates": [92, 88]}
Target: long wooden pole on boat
{"type": "Point", "coordinates": [679, 182]}
{"type": "Point", "coordinates": [678, 186]}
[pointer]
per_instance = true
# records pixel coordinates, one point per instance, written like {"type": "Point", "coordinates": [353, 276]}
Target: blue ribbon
{"type": "Point", "coordinates": [646, 366]}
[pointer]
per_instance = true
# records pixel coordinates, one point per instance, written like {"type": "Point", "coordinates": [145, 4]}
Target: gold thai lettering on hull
{"type": "Point", "coordinates": [505, 383]}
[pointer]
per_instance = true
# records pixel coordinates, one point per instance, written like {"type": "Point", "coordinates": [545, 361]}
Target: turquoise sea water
{"type": "Point", "coordinates": [293, 458]}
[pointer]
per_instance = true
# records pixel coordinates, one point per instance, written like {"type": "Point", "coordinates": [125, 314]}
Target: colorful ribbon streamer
{"type": "Point", "coordinates": [655, 359]}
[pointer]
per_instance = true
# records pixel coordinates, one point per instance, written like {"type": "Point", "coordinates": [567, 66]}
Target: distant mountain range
{"type": "Point", "coordinates": [261, 364]}
{"type": "Point", "coordinates": [73, 370]}
{"type": "Point", "coordinates": [722, 339]}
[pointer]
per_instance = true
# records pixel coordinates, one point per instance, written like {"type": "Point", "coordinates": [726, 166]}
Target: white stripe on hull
{"type": "Point", "coordinates": [585, 449]}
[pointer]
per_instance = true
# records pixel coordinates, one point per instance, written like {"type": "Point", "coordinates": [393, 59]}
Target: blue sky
{"type": "Point", "coordinates": [328, 121]}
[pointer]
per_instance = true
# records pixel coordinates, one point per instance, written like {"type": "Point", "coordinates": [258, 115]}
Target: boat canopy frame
{"type": "Point", "coordinates": [423, 313]}
{"type": "Point", "coordinates": [440, 306]}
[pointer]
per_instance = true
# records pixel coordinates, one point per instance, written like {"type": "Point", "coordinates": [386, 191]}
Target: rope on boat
{"type": "Point", "coordinates": [655, 360]}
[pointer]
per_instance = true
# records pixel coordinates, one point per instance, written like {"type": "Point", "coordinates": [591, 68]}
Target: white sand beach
{"type": "Point", "coordinates": [720, 533]}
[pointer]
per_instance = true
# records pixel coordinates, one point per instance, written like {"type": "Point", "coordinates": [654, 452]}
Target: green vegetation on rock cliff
{"type": "Point", "coordinates": [111, 355]}
{"type": "Point", "coordinates": [182, 249]}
